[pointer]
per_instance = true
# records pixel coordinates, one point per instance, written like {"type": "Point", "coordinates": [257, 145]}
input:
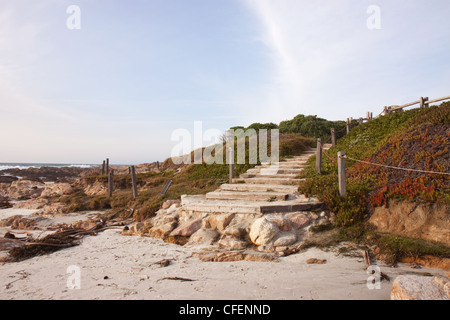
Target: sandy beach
{"type": "Point", "coordinates": [113, 266]}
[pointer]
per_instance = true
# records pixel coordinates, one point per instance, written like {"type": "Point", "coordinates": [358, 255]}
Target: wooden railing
{"type": "Point", "coordinates": [424, 102]}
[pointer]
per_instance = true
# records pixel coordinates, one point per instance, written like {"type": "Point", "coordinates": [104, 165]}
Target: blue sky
{"type": "Point", "coordinates": [138, 70]}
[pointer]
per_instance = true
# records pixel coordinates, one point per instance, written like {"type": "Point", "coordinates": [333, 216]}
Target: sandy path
{"type": "Point", "coordinates": [112, 266]}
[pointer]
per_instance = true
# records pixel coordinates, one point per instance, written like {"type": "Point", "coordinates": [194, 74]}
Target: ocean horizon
{"type": "Point", "coordinates": [23, 166]}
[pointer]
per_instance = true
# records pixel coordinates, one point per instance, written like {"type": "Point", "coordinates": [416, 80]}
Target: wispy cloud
{"type": "Point", "coordinates": [325, 61]}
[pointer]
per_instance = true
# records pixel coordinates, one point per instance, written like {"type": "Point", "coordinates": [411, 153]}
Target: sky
{"type": "Point", "coordinates": [117, 78]}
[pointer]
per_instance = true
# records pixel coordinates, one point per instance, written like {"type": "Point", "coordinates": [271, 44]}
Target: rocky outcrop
{"type": "Point", "coordinates": [96, 189]}
{"type": "Point", "coordinates": [412, 287]}
{"type": "Point", "coordinates": [25, 189]}
{"type": "Point", "coordinates": [430, 222]}
{"type": "Point", "coordinates": [56, 189]}
{"type": "Point", "coordinates": [274, 233]}
{"type": "Point", "coordinates": [4, 203]}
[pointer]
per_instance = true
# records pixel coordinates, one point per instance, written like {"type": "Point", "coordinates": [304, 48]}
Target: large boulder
{"type": "Point", "coordinates": [263, 231]}
{"type": "Point", "coordinates": [412, 287]}
{"type": "Point", "coordinates": [298, 220]}
{"type": "Point", "coordinates": [162, 231]}
{"type": "Point", "coordinates": [220, 221]}
{"type": "Point", "coordinates": [285, 239]}
{"type": "Point", "coordinates": [56, 189]}
{"type": "Point", "coordinates": [187, 229]}
{"type": "Point", "coordinates": [204, 236]}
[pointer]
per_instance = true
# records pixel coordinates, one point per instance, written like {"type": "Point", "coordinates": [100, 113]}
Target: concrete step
{"type": "Point", "coordinates": [276, 171]}
{"type": "Point", "coordinates": [244, 187]}
{"type": "Point", "coordinates": [287, 181]}
{"type": "Point", "coordinates": [247, 196]}
{"type": "Point", "coordinates": [201, 204]}
{"type": "Point", "coordinates": [283, 164]}
{"type": "Point", "coordinates": [267, 175]}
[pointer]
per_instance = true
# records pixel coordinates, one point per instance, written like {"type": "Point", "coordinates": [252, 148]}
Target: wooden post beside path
{"type": "Point", "coordinates": [341, 173]}
{"type": "Point", "coordinates": [110, 183]}
{"type": "Point", "coordinates": [319, 156]}
{"type": "Point", "coordinates": [133, 181]}
{"type": "Point", "coordinates": [333, 137]}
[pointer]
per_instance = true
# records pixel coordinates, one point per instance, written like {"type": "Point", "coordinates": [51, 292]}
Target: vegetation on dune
{"type": "Point", "coordinates": [306, 126]}
{"type": "Point", "coordinates": [415, 139]}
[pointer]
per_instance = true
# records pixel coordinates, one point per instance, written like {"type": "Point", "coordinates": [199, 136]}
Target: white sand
{"type": "Point", "coordinates": [128, 264]}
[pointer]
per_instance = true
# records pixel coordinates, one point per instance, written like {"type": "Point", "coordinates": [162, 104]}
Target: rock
{"type": "Point", "coordinates": [285, 239]}
{"type": "Point", "coordinates": [314, 216]}
{"type": "Point", "coordinates": [220, 221]}
{"type": "Point", "coordinates": [53, 209]}
{"type": "Point", "coordinates": [204, 236]}
{"type": "Point", "coordinates": [219, 257]}
{"type": "Point", "coordinates": [316, 261]}
{"type": "Point", "coordinates": [33, 204]}
{"type": "Point", "coordinates": [187, 229]}
{"type": "Point", "coordinates": [136, 228]}
{"type": "Point", "coordinates": [232, 244]}
{"type": "Point", "coordinates": [282, 223]}
{"type": "Point", "coordinates": [25, 189]}
{"type": "Point", "coordinates": [427, 221]}
{"type": "Point", "coordinates": [236, 232]}
{"type": "Point", "coordinates": [412, 287]}
{"type": "Point", "coordinates": [162, 218]}
{"type": "Point", "coordinates": [96, 189]}
{"type": "Point", "coordinates": [7, 179]}
{"type": "Point", "coordinates": [56, 189]}
{"type": "Point", "coordinates": [298, 220]}
{"type": "Point", "coordinates": [263, 231]}
{"type": "Point", "coordinates": [4, 203]}
{"type": "Point", "coordinates": [162, 231]}
{"type": "Point", "coordinates": [169, 203]}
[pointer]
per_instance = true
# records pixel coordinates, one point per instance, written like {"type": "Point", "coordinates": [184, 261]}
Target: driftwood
{"type": "Point", "coordinates": [62, 239]}
{"type": "Point", "coordinates": [176, 278]}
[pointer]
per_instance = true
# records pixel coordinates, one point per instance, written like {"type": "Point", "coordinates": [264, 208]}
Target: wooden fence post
{"type": "Point", "coordinates": [333, 137]}
{"type": "Point", "coordinates": [341, 173]}
{"type": "Point", "coordinates": [110, 183]}
{"type": "Point", "coordinates": [348, 125]}
{"type": "Point", "coordinates": [425, 102]}
{"type": "Point", "coordinates": [133, 181]}
{"type": "Point", "coordinates": [231, 159]}
{"type": "Point", "coordinates": [107, 165]}
{"type": "Point", "coordinates": [103, 167]}
{"type": "Point", "coordinates": [319, 156]}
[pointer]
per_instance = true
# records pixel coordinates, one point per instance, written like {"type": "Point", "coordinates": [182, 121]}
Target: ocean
{"type": "Point", "coordinates": [4, 166]}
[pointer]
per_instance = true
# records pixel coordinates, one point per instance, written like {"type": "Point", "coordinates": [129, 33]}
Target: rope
{"type": "Point", "coordinates": [323, 150]}
{"type": "Point", "coordinates": [398, 168]}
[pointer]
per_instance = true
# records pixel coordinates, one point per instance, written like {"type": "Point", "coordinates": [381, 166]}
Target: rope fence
{"type": "Point", "coordinates": [341, 162]}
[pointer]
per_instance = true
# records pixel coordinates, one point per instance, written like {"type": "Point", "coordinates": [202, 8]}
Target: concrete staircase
{"type": "Point", "coordinates": [263, 189]}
